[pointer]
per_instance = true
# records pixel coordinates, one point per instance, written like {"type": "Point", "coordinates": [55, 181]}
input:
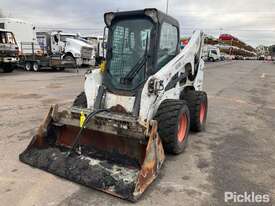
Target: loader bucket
{"type": "Point", "coordinates": [114, 162]}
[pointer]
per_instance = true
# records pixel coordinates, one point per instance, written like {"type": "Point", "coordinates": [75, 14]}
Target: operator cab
{"type": "Point", "coordinates": [140, 43]}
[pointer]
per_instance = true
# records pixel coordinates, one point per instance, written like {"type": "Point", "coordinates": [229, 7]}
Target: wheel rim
{"type": "Point", "coordinates": [182, 127]}
{"type": "Point", "coordinates": [28, 67]}
{"type": "Point", "coordinates": [202, 112]}
{"type": "Point", "coordinates": [35, 67]}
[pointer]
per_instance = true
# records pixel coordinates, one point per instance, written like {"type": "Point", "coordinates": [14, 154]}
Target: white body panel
{"type": "Point", "coordinates": [92, 83]}
{"type": "Point", "coordinates": [150, 102]}
{"type": "Point", "coordinates": [149, 106]}
{"type": "Point", "coordinates": [125, 101]}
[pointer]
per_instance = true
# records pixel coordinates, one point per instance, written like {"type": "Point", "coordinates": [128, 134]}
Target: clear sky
{"type": "Point", "coordinates": [252, 21]}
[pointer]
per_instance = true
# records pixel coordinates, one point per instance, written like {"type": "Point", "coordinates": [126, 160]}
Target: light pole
{"type": "Point", "coordinates": [167, 6]}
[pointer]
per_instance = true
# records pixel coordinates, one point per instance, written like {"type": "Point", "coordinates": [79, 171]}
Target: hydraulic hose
{"type": "Point", "coordinates": [88, 118]}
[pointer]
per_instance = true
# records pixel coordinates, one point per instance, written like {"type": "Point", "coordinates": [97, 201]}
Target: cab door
{"type": "Point", "coordinates": [55, 39]}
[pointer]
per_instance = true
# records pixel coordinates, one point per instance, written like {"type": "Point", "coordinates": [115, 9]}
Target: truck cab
{"type": "Point", "coordinates": [99, 45]}
{"type": "Point", "coordinates": [73, 47]}
{"type": "Point", "coordinates": [8, 51]}
{"type": "Point", "coordinates": [212, 53]}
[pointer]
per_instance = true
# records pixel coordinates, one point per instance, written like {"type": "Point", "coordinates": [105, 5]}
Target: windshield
{"type": "Point", "coordinates": [6, 38]}
{"type": "Point", "coordinates": [128, 46]}
{"type": "Point", "coordinates": [64, 37]}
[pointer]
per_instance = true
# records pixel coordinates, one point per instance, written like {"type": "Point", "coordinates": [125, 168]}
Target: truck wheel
{"type": "Point", "coordinates": [28, 66]}
{"type": "Point", "coordinates": [69, 58]}
{"type": "Point", "coordinates": [173, 125]}
{"type": "Point", "coordinates": [60, 69]}
{"type": "Point", "coordinates": [211, 59]}
{"type": "Point", "coordinates": [8, 68]}
{"type": "Point", "coordinates": [198, 105]}
{"type": "Point", "coordinates": [80, 101]}
{"type": "Point", "coordinates": [35, 67]}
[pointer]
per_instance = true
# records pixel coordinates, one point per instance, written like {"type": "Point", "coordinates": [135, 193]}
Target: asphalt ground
{"type": "Point", "coordinates": [236, 153]}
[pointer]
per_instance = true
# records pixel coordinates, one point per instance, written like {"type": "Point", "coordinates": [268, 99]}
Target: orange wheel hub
{"type": "Point", "coordinates": [182, 127]}
{"type": "Point", "coordinates": [202, 112]}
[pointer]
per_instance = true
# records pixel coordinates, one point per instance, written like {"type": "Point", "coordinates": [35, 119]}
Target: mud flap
{"type": "Point", "coordinates": [121, 167]}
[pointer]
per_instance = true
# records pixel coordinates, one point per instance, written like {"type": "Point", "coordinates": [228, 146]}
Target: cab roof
{"type": "Point", "coordinates": [160, 16]}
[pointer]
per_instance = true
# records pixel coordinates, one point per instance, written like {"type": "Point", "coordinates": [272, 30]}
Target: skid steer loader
{"type": "Point", "coordinates": [138, 106]}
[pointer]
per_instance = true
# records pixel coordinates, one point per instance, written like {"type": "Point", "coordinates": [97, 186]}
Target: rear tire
{"type": "Point", "coordinates": [28, 66]}
{"type": "Point", "coordinates": [35, 67]}
{"type": "Point", "coordinates": [69, 58]}
{"type": "Point", "coordinates": [173, 125]}
{"type": "Point", "coordinates": [80, 101]}
{"type": "Point", "coordinates": [198, 105]}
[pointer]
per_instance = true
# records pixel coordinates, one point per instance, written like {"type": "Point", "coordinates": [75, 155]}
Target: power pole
{"type": "Point", "coordinates": [167, 6]}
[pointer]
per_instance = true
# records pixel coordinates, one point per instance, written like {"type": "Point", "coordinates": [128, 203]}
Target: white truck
{"type": "Point", "coordinates": [71, 45]}
{"type": "Point", "coordinates": [211, 53]}
{"type": "Point", "coordinates": [99, 45]}
{"type": "Point", "coordinates": [48, 49]}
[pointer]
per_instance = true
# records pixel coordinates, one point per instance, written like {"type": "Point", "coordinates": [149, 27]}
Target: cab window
{"type": "Point", "coordinates": [10, 38]}
{"type": "Point", "coordinates": [214, 52]}
{"type": "Point", "coordinates": [168, 46]}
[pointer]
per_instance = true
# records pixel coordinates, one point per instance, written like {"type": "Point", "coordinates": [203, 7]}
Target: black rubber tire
{"type": "Point", "coordinates": [80, 101]}
{"type": "Point", "coordinates": [8, 68]}
{"type": "Point", "coordinates": [69, 57]}
{"type": "Point", "coordinates": [168, 117]}
{"type": "Point", "coordinates": [60, 69]}
{"type": "Point", "coordinates": [195, 100]}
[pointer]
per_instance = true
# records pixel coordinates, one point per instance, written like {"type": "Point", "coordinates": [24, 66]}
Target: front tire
{"type": "Point", "coordinates": [69, 58]}
{"type": "Point", "coordinates": [173, 125]}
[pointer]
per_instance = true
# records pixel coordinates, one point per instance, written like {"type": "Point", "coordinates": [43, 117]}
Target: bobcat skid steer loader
{"type": "Point", "coordinates": [138, 106]}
